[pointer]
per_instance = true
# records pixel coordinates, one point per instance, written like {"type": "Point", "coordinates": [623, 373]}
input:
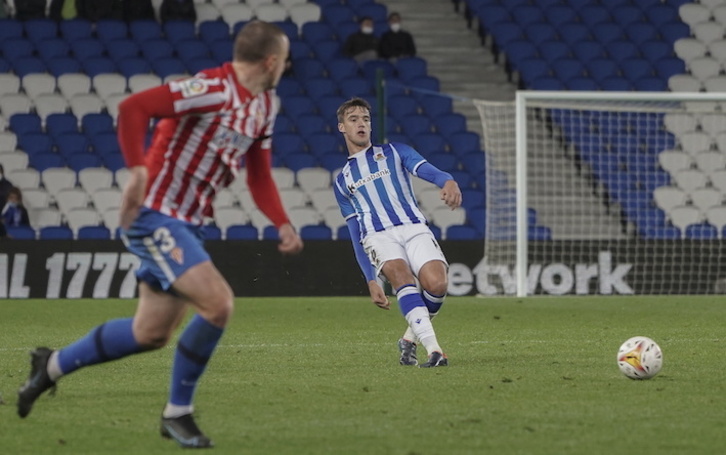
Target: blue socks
{"type": "Point", "coordinates": [195, 347]}
{"type": "Point", "coordinates": [433, 302]}
{"type": "Point", "coordinates": [110, 341]}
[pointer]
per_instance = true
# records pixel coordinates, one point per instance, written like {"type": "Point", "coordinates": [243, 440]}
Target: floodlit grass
{"type": "Point", "coordinates": [321, 376]}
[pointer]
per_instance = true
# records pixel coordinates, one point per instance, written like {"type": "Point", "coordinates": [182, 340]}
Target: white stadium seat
{"type": "Point", "coordinates": [667, 197]}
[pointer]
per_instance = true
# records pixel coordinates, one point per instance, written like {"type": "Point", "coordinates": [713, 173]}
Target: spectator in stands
{"type": "Point", "coordinates": [5, 186]}
{"type": "Point", "coordinates": [177, 10]}
{"type": "Point", "coordinates": [14, 213]}
{"type": "Point", "coordinates": [24, 10]}
{"type": "Point", "coordinates": [363, 44]}
{"type": "Point", "coordinates": [396, 43]}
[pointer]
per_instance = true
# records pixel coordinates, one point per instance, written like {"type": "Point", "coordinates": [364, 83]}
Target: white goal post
{"type": "Point", "coordinates": [604, 193]}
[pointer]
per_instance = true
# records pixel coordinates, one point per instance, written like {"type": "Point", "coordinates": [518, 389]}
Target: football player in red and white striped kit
{"type": "Point", "coordinates": [209, 123]}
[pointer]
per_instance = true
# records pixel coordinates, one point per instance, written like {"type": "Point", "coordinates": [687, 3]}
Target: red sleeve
{"type": "Point", "coordinates": [262, 186]}
{"type": "Point", "coordinates": [134, 115]}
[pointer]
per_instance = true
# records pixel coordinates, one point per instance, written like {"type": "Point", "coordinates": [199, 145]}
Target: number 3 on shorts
{"type": "Point", "coordinates": [163, 237]}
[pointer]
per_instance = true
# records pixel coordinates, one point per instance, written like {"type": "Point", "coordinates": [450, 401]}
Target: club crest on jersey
{"type": "Point", "coordinates": [379, 156]}
{"type": "Point", "coordinates": [193, 87]}
{"type": "Point", "coordinates": [177, 254]}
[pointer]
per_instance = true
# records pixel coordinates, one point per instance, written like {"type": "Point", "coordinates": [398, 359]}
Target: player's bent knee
{"type": "Point", "coordinates": [219, 308]}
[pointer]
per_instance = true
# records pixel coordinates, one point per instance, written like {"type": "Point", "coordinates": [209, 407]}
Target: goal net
{"type": "Point", "coordinates": [604, 193]}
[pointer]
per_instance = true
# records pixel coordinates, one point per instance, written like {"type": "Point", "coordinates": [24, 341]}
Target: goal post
{"type": "Point", "coordinates": [604, 193]}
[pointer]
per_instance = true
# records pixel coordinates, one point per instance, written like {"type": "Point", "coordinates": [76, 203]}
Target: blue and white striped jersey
{"type": "Point", "coordinates": [375, 186]}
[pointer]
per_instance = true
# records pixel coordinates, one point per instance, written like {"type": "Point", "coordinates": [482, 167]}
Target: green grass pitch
{"type": "Point", "coordinates": [321, 376]}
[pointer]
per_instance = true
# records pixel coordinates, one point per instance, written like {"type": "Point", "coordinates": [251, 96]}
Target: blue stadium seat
{"type": "Point", "coordinates": [121, 49]}
{"type": "Point", "coordinates": [305, 68]}
{"type": "Point", "coordinates": [371, 68]}
{"type": "Point", "coordinates": [321, 144]}
{"type": "Point", "coordinates": [504, 33]}
{"type": "Point", "coordinates": [475, 164]}
{"type": "Point", "coordinates": [38, 30]}
{"type": "Point", "coordinates": [346, 28]}
{"type": "Point", "coordinates": [567, 68]}
{"type": "Point", "coordinates": [429, 143]}
{"type": "Point", "coordinates": [99, 65]}
{"type": "Point", "coordinates": [435, 105]}
{"type": "Point", "coordinates": [327, 106]}
{"type": "Point", "coordinates": [157, 49]}
{"type": "Point", "coordinates": [96, 123]}
{"type": "Point", "coordinates": [211, 31]}
{"type": "Point", "coordinates": [316, 232]}
{"type": "Point", "coordinates": [284, 144]}
{"type": "Point", "coordinates": [532, 69]}
{"type": "Point", "coordinates": [133, 65]}
{"type": "Point", "coordinates": [436, 231]}
{"type": "Point", "coordinates": [113, 161]}
{"type": "Point", "coordinates": [105, 143]}
{"type": "Point", "coordinates": [636, 68]}
{"type": "Point", "coordinates": [94, 232]}
{"type": "Point", "coordinates": [651, 84]}
{"type": "Point", "coordinates": [4, 66]}
{"type": "Point", "coordinates": [355, 86]}
{"type": "Point", "coordinates": [295, 106]}
{"type": "Point", "coordinates": [527, 14]}
{"type": "Point", "coordinates": [46, 160]}
{"type": "Point", "coordinates": [297, 161]}
{"type": "Point", "coordinates": [75, 29]}
{"type": "Point", "coordinates": [10, 29]}
{"type": "Point", "coordinates": [326, 51]}
{"type": "Point", "coordinates": [52, 48]}
{"type": "Point", "coordinates": [301, 49]}
{"type": "Point", "coordinates": [242, 232]}
{"type": "Point", "coordinates": [176, 31]}
{"type": "Point", "coordinates": [191, 49]}
{"type": "Point", "coordinates": [168, 66]}
{"type": "Point", "coordinates": [335, 14]}
{"type": "Point", "coordinates": [553, 50]}
{"type": "Point", "coordinates": [463, 179]}
{"type": "Point", "coordinates": [57, 124]}
{"type": "Point", "coordinates": [641, 32]}
{"type": "Point", "coordinates": [15, 48]}
{"type": "Point", "coordinates": [472, 198]}
{"type": "Point", "coordinates": [462, 232]}
{"type": "Point", "coordinates": [222, 50]}
{"type": "Point", "coordinates": [616, 83]}
{"type": "Point", "coordinates": [572, 33]}
{"type": "Point", "coordinates": [541, 32]}
{"type": "Point", "coordinates": [56, 233]}
{"type": "Point", "coordinates": [673, 31]}
{"type": "Point", "coordinates": [290, 28]}
{"type": "Point", "coordinates": [602, 68]}
{"type": "Point", "coordinates": [655, 50]}
{"type": "Point", "coordinates": [84, 48]}
{"type": "Point", "coordinates": [283, 124]}
{"type": "Point", "coordinates": [588, 50]}
{"type": "Point", "coordinates": [426, 83]}
{"type": "Point", "coordinates": [581, 83]}
{"type": "Point", "coordinates": [669, 66]}
{"type": "Point", "coordinates": [80, 161]}
{"type": "Point", "coordinates": [477, 218]}
{"type": "Point", "coordinates": [376, 11]}
{"type": "Point", "coordinates": [413, 125]}
{"type": "Point", "coordinates": [20, 232]}
{"type": "Point", "coordinates": [446, 162]}
{"type": "Point", "coordinates": [314, 32]}
{"type": "Point", "coordinates": [627, 14]}
{"type": "Point", "coordinates": [448, 124]}
{"type": "Point", "coordinates": [560, 14]}
{"type": "Point", "coordinates": [22, 124]}
{"type": "Point", "coordinates": [63, 65]}
{"type": "Point", "coordinates": [289, 86]}
{"type": "Point", "coordinates": [342, 69]}
{"type": "Point", "coordinates": [593, 15]}
{"type": "Point", "coordinates": [27, 65]}
{"type": "Point", "coordinates": [517, 51]}
{"type": "Point", "coordinates": [660, 14]}
{"type": "Point", "coordinates": [311, 124]}
{"type": "Point", "coordinates": [145, 30]}
{"type": "Point", "coordinates": [71, 143]}
{"type": "Point", "coordinates": [661, 233]}
{"type": "Point", "coordinates": [401, 106]}
{"type": "Point", "coordinates": [111, 29]}
{"type": "Point", "coordinates": [464, 142]}
{"type": "Point", "coordinates": [332, 161]}
{"type": "Point", "coordinates": [317, 87]}
{"type": "Point", "coordinates": [607, 32]}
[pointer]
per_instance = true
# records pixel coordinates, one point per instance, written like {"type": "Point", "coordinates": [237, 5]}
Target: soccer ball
{"type": "Point", "coordinates": [640, 358]}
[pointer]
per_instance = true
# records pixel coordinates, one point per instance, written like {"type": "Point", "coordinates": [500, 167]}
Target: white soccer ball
{"type": "Point", "coordinates": [640, 358]}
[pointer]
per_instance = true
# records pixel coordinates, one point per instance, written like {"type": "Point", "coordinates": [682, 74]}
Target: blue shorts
{"type": "Point", "coordinates": [166, 246]}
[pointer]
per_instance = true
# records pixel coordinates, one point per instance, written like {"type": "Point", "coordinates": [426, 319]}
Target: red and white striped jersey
{"type": "Point", "coordinates": [199, 149]}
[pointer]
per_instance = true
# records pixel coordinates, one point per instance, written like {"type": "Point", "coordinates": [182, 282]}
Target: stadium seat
{"type": "Point", "coordinates": [298, 161]}
{"type": "Point", "coordinates": [111, 29]}
{"type": "Point", "coordinates": [21, 232]}
{"type": "Point", "coordinates": [304, 13]}
{"type": "Point", "coordinates": [38, 30]}
{"type": "Point", "coordinates": [131, 66]}
{"type": "Point", "coordinates": [94, 232]}
{"type": "Point", "coordinates": [55, 233]}
{"type": "Point", "coordinates": [80, 217]}
{"type": "Point", "coordinates": [242, 232]}
{"type": "Point", "coordinates": [71, 143]}
{"type": "Point", "coordinates": [40, 218]}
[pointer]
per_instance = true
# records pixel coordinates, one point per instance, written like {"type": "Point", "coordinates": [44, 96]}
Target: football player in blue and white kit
{"type": "Point", "coordinates": [389, 233]}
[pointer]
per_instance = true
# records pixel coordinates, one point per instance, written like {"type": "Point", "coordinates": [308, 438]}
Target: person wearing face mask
{"type": "Point", "coordinates": [363, 44]}
{"type": "Point", "coordinates": [14, 213]}
{"type": "Point", "coordinates": [396, 43]}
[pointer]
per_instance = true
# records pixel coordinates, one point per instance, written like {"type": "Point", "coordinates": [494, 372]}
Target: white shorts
{"type": "Point", "coordinates": [414, 243]}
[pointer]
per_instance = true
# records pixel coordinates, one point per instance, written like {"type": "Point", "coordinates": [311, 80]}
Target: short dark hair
{"type": "Point", "coordinates": [394, 15]}
{"type": "Point", "coordinates": [365, 18]}
{"type": "Point", "coordinates": [350, 104]}
{"type": "Point", "coordinates": [257, 40]}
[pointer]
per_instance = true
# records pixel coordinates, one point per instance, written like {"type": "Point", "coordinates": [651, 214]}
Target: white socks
{"type": "Point", "coordinates": [420, 324]}
{"type": "Point", "coordinates": [172, 411]}
{"type": "Point", "coordinates": [53, 367]}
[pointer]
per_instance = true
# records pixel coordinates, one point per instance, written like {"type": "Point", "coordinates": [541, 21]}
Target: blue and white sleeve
{"type": "Point", "coordinates": [418, 166]}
